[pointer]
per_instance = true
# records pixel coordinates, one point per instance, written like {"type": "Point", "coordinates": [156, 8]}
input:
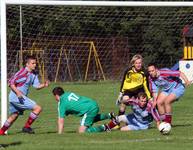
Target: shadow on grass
{"type": "Point", "coordinates": [47, 132]}
{"type": "Point", "coordinates": [9, 144]}
{"type": "Point", "coordinates": [71, 131]}
{"type": "Point", "coordinates": [181, 125]}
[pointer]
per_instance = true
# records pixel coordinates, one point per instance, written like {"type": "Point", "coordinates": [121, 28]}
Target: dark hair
{"type": "Point", "coordinates": [29, 57]}
{"type": "Point", "coordinates": [152, 64]}
{"type": "Point", "coordinates": [58, 91]}
{"type": "Point", "coordinates": [141, 94]}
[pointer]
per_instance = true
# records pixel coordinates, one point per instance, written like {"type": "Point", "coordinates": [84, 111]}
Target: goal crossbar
{"type": "Point", "coordinates": [98, 3]}
{"type": "Point", "coordinates": [4, 3]}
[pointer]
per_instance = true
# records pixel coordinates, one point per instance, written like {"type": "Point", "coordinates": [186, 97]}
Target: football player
{"type": "Point", "coordinates": [166, 87]}
{"type": "Point", "coordinates": [18, 100]}
{"type": "Point", "coordinates": [87, 108]}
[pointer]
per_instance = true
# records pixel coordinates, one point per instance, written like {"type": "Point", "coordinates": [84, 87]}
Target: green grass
{"type": "Point", "coordinates": [46, 136]}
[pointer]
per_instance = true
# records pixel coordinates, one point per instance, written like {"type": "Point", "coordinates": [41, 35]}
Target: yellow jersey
{"type": "Point", "coordinates": [133, 81]}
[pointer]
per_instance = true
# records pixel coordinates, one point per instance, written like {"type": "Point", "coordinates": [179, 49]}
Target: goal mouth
{"type": "Point", "coordinates": [90, 40]}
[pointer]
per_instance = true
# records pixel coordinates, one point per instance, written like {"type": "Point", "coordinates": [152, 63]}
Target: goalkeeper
{"type": "Point", "coordinates": [134, 81]}
{"type": "Point", "coordinates": [71, 103]}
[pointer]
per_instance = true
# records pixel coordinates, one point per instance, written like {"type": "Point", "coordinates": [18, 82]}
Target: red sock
{"type": "Point", "coordinates": [111, 124]}
{"type": "Point", "coordinates": [168, 118]}
{"type": "Point", "coordinates": [30, 120]}
{"type": "Point", "coordinates": [5, 127]}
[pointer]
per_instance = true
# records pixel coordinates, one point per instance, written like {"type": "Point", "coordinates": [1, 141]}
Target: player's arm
{"type": "Point", "coordinates": [12, 84]}
{"type": "Point", "coordinates": [154, 91]}
{"type": "Point", "coordinates": [60, 125]}
{"type": "Point", "coordinates": [119, 99]}
{"type": "Point", "coordinates": [155, 115]}
{"type": "Point", "coordinates": [123, 79]}
{"type": "Point", "coordinates": [14, 89]}
{"type": "Point", "coordinates": [42, 85]}
{"type": "Point", "coordinates": [39, 85]}
{"type": "Point", "coordinates": [145, 86]}
{"type": "Point", "coordinates": [61, 116]}
{"type": "Point", "coordinates": [155, 95]}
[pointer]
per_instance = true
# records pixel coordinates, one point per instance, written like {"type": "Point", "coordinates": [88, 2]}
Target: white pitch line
{"type": "Point", "coordinates": [131, 141]}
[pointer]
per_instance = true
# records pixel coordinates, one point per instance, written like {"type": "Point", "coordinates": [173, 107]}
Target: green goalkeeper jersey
{"type": "Point", "coordinates": [71, 103]}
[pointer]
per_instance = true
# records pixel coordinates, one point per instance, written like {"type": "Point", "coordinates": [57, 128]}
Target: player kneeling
{"type": "Point", "coordinates": [87, 108]}
{"type": "Point", "coordinates": [141, 117]}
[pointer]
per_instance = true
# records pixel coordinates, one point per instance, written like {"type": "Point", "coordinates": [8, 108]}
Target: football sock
{"type": "Point", "coordinates": [5, 127]}
{"type": "Point", "coordinates": [100, 117]}
{"type": "Point", "coordinates": [112, 124]}
{"type": "Point", "coordinates": [30, 120]}
{"type": "Point", "coordinates": [162, 117]}
{"type": "Point", "coordinates": [168, 118]}
{"type": "Point", "coordinates": [100, 128]}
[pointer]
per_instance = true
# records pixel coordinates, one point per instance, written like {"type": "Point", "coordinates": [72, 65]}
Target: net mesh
{"type": "Point", "coordinates": [80, 43]}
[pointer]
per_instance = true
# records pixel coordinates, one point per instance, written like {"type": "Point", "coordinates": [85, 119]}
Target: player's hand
{"type": "Point", "coordinates": [150, 99]}
{"type": "Point", "coordinates": [188, 83]}
{"type": "Point", "coordinates": [19, 93]}
{"type": "Point", "coordinates": [46, 83]}
{"type": "Point", "coordinates": [157, 124]}
{"type": "Point", "coordinates": [118, 101]}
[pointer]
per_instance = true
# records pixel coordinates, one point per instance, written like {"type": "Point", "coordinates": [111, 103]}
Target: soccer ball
{"type": "Point", "coordinates": [165, 128]}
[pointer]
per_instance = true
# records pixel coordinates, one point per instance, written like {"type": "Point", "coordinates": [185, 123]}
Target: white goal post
{"type": "Point", "coordinates": [4, 3]}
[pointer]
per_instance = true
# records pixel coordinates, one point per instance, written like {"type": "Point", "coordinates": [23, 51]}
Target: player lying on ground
{"type": "Point", "coordinates": [141, 117]}
{"type": "Point", "coordinates": [87, 108]}
{"type": "Point", "coordinates": [18, 100]}
{"type": "Point", "coordinates": [169, 86]}
{"type": "Point", "coordinates": [134, 81]}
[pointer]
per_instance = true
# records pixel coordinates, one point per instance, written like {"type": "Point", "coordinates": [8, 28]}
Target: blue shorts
{"type": "Point", "coordinates": [21, 104]}
{"type": "Point", "coordinates": [178, 91]}
{"type": "Point", "coordinates": [133, 124]}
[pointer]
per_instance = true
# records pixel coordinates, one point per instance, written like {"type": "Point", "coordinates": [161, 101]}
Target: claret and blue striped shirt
{"type": "Point", "coordinates": [23, 79]}
{"type": "Point", "coordinates": [166, 80]}
{"type": "Point", "coordinates": [143, 115]}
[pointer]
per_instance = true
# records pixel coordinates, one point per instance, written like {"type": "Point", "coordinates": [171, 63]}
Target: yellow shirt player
{"type": "Point", "coordinates": [134, 81]}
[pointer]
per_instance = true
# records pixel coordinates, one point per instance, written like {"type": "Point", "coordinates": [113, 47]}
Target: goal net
{"type": "Point", "coordinates": [92, 43]}
{"type": "Point", "coordinates": [81, 43]}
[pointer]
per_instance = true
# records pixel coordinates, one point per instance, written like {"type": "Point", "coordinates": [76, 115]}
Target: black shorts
{"type": "Point", "coordinates": [133, 93]}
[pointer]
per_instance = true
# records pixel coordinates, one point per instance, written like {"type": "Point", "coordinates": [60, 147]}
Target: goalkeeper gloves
{"type": "Point", "coordinates": [119, 99]}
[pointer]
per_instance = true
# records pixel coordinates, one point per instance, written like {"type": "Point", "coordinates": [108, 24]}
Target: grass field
{"type": "Point", "coordinates": [46, 136]}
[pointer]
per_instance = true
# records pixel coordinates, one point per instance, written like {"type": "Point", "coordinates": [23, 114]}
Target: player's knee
{"type": "Point", "coordinates": [82, 129]}
{"type": "Point", "coordinates": [125, 128]}
{"type": "Point", "coordinates": [37, 109]}
{"type": "Point", "coordinates": [125, 99]}
{"type": "Point", "coordinates": [168, 102]}
{"type": "Point", "coordinates": [122, 108]}
{"type": "Point", "coordinates": [159, 103]}
{"type": "Point", "coordinates": [122, 118]}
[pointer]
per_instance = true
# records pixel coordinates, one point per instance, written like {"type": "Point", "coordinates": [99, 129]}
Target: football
{"type": "Point", "coordinates": [165, 128]}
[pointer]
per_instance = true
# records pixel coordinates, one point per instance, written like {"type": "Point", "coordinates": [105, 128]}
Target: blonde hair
{"type": "Point", "coordinates": [134, 58]}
